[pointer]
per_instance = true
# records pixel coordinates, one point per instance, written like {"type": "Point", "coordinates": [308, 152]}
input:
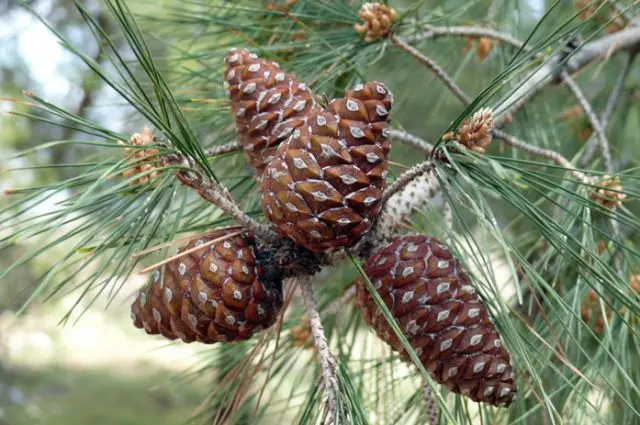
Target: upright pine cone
{"type": "Point", "coordinates": [442, 317]}
{"type": "Point", "coordinates": [266, 102]}
{"type": "Point", "coordinates": [220, 293]}
{"type": "Point", "coordinates": [324, 187]}
{"type": "Point", "coordinates": [476, 132]}
{"type": "Point", "coordinates": [145, 159]}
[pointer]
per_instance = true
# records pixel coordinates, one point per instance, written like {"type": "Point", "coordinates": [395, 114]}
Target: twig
{"type": "Point", "coordinates": [336, 306]}
{"type": "Point", "coordinates": [226, 148]}
{"type": "Point", "coordinates": [430, 405]}
{"type": "Point", "coordinates": [405, 178]}
{"type": "Point", "coordinates": [411, 191]}
{"type": "Point", "coordinates": [593, 120]}
{"type": "Point", "coordinates": [435, 68]}
{"type": "Point", "coordinates": [218, 195]}
{"type": "Point", "coordinates": [612, 103]}
{"type": "Point", "coordinates": [626, 39]}
{"type": "Point", "coordinates": [432, 32]}
{"type": "Point", "coordinates": [411, 140]}
{"type": "Point", "coordinates": [545, 153]}
{"type": "Point", "coordinates": [327, 360]}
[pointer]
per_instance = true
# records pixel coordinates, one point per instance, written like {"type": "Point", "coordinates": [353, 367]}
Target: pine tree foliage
{"type": "Point", "coordinates": [535, 218]}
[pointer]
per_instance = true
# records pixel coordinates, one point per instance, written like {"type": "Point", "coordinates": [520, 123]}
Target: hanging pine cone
{"type": "Point", "coordinates": [220, 293]}
{"type": "Point", "coordinates": [444, 320]}
{"type": "Point", "coordinates": [324, 187]}
{"type": "Point", "coordinates": [267, 104]}
{"type": "Point", "coordinates": [145, 159]}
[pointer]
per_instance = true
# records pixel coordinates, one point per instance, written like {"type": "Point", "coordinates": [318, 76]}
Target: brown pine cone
{"type": "Point", "coordinates": [442, 317]}
{"type": "Point", "coordinates": [267, 104]}
{"type": "Point", "coordinates": [221, 293]}
{"type": "Point", "coordinates": [324, 187]}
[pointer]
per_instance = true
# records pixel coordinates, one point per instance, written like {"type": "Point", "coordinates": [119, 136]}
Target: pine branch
{"type": "Point", "coordinates": [434, 67]}
{"type": "Point", "coordinates": [226, 148]}
{"type": "Point", "coordinates": [327, 359]}
{"type": "Point", "coordinates": [612, 103]}
{"type": "Point", "coordinates": [626, 39]}
{"type": "Point", "coordinates": [434, 32]}
{"type": "Point", "coordinates": [411, 140]}
{"type": "Point", "coordinates": [410, 192]}
{"type": "Point", "coordinates": [598, 128]}
{"type": "Point", "coordinates": [431, 406]}
{"type": "Point", "coordinates": [219, 195]}
{"type": "Point", "coordinates": [544, 153]}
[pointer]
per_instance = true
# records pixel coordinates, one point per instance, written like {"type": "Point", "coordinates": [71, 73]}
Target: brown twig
{"type": "Point", "coordinates": [545, 153]}
{"type": "Point", "coordinates": [598, 129]}
{"type": "Point", "coordinates": [411, 140]}
{"type": "Point", "coordinates": [434, 67]}
{"type": "Point", "coordinates": [433, 32]}
{"type": "Point", "coordinates": [217, 194]}
{"type": "Point", "coordinates": [612, 103]}
{"type": "Point", "coordinates": [327, 359]}
{"type": "Point", "coordinates": [220, 150]}
{"type": "Point", "coordinates": [431, 407]}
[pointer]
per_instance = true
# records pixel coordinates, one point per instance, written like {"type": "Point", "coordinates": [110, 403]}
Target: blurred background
{"type": "Point", "coordinates": [71, 373]}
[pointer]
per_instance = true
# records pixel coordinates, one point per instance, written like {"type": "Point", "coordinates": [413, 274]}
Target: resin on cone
{"type": "Point", "coordinates": [323, 190]}
{"type": "Point", "coordinates": [220, 293]}
{"type": "Point", "coordinates": [435, 305]}
{"type": "Point", "coordinates": [267, 104]}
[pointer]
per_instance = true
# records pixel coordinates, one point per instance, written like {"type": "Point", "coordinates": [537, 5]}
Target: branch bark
{"type": "Point", "coordinates": [327, 359]}
{"type": "Point", "coordinates": [218, 195]}
{"type": "Point", "coordinates": [612, 103]}
{"type": "Point", "coordinates": [430, 63]}
{"type": "Point", "coordinates": [430, 405]}
{"type": "Point", "coordinates": [433, 32]}
{"type": "Point", "coordinates": [545, 153]}
{"type": "Point", "coordinates": [598, 128]}
{"type": "Point", "coordinates": [226, 148]}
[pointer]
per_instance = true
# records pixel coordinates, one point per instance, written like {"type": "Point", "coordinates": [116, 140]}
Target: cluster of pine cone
{"type": "Point", "coordinates": [322, 172]}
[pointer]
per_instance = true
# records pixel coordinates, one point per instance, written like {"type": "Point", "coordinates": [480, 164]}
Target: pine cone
{"type": "Point", "coordinates": [145, 159]}
{"type": "Point", "coordinates": [267, 103]}
{"type": "Point", "coordinates": [609, 192]}
{"type": "Point", "coordinates": [377, 21]}
{"type": "Point", "coordinates": [444, 320]}
{"type": "Point", "coordinates": [220, 293]}
{"type": "Point", "coordinates": [324, 187]}
{"type": "Point", "coordinates": [476, 133]}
